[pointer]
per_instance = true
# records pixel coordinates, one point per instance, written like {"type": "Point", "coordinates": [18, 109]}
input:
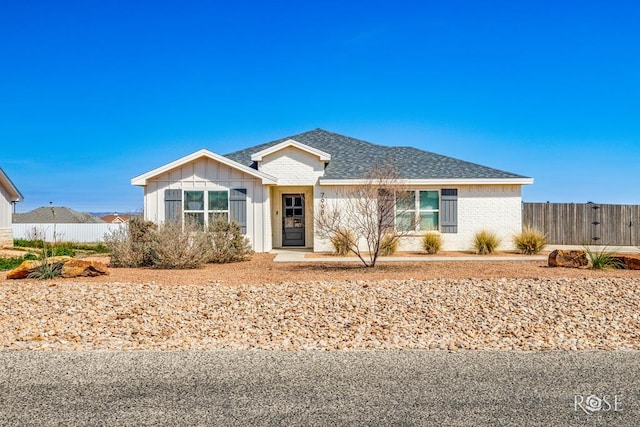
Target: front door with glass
{"type": "Point", "coordinates": [292, 220]}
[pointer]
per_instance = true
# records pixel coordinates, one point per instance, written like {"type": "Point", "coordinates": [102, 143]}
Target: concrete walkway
{"type": "Point", "coordinates": [299, 255]}
{"type": "Point", "coordinates": [288, 255]}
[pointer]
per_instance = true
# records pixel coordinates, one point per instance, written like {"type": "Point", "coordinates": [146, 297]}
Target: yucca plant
{"type": "Point", "coordinates": [530, 241]}
{"type": "Point", "coordinates": [388, 245]}
{"type": "Point", "coordinates": [432, 243]}
{"type": "Point", "coordinates": [342, 242]}
{"type": "Point", "coordinates": [485, 242]}
{"type": "Point", "coordinates": [47, 269]}
{"type": "Point", "coordinates": [603, 259]}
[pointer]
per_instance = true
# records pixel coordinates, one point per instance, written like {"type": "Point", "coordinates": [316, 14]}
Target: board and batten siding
{"type": "Point", "coordinates": [6, 232]}
{"type": "Point", "coordinates": [209, 175]}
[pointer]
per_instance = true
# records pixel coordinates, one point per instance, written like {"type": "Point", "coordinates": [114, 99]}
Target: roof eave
{"type": "Point", "coordinates": [436, 181]}
{"type": "Point", "coordinates": [14, 193]}
{"type": "Point", "coordinates": [143, 180]}
{"type": "Point", "coordinates": [257, 157]}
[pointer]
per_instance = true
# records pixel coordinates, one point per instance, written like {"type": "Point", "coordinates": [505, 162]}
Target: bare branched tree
{"type": "Point", "coordinates": [363, 216]}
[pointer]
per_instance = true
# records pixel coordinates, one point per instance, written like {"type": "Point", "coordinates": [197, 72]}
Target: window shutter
{"type": "Point", "coordinates": [449, 211]}
{"type": "Point", "coordinates": [238, 207]}
{"type": "Point", "coordinates": [386, 204]}
{"type": "Point", "coordinates": [172, 205]}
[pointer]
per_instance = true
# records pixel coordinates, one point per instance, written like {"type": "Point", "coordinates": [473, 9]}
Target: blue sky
{"type": "Point", "coordinates": [95, 92]}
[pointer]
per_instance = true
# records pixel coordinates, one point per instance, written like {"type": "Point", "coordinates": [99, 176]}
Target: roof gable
{"type": "Point", "coordinates": [352, 159]}
{"type": "Point", "coordinates": [143, 179]}
{"type": "Point", "coordinates": [257, 157]}
{"type": "Point", "coordinates": [10, 187]}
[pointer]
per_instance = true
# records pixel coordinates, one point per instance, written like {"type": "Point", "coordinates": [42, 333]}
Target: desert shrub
{"type": "Point", "coordinates": [388, 245]}
{"type": "Point", "coordinates": [132, 247]}
{"type": "Point", "coordinates": [603, 259]}
{"type": "Point", "coordinates": [9, 263]}
{"type": "Point", "coordinates": [530, 241]}
{"type": "Point", "coordinates": [342, 241]}
{"type": "Point", "coordinates": [123, 252]}
{"type": "Point", "coordinates": [227, 243]}
{"type": "Point", "coordinates": [485, 242]}
{"type": "Point", "coordinates": [432, 243]}
{"type": "Point", "coordinates": [180, 246]}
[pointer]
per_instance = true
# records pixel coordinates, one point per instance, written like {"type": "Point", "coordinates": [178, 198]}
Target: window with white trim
{"type": "Point", "coordinates": [204, 207]}
{"type": "Point", "coordinates": [418, 210]}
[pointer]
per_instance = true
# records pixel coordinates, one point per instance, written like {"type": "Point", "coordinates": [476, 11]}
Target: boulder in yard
{"type": "Point", "coordinates": [628, 262]}
{"type": "Point", "coordinates": [568, 258]}
{"type": "Point", "coordinates": [82, 268]}
{"type": "Point", "coordinates": [27, 267]}
{"type": "Point", "coordinates": [70, 268]}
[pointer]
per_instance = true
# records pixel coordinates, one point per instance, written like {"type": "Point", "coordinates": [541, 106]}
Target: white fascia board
{"type": "Point", "coordinates": [10, 187]}
{"type": "Point", "coordinates": [142, 180]}
{"type": "Point", "coordinates": [257, 157]}
{"type": "Point", "coordinates": [485, 181]}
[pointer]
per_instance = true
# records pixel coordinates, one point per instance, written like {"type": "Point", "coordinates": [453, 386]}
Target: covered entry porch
{"type": "Point", "coordinates": [292, 216]}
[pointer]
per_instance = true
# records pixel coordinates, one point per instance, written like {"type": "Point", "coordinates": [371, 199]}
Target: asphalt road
{"type": "Point", "coordinates": [320, 388]}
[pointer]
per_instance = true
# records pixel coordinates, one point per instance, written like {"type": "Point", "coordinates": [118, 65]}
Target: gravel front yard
{"type": "Point", "coordinates": [480, 305]}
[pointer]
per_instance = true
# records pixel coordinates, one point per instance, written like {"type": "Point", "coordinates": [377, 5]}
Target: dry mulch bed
{"type": "Point", "coordinates": [262, 270]}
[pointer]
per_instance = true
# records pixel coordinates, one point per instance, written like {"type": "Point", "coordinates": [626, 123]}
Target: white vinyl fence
{"type": "Point", "coordinates": [80, 233]}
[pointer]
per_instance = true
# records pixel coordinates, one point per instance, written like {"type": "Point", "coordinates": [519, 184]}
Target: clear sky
{"type": "Point", "coordinates": [95, 92]}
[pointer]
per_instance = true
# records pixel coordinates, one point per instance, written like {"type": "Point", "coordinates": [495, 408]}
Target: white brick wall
{"type": "Point", "coordinates": [6, 236]}
{"type": "Point", "coordinates": [496, 208]}
{"type": "Point", "coordinates": [293, 166]}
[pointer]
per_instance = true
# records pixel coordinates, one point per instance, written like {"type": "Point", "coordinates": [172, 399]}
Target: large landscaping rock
{"type": "Point", "coordinates": [568, 258]}
{"type": "Point", "coordinates": [27, 267]}
{"type": "Point", "coordinates": [629, 262]}
{"type": "Point", "coordinates": [78, 267]}
{"type": "Point", "coordinates": [70, 268]}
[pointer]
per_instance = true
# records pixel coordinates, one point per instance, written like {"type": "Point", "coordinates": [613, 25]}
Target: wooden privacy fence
{"type": "Point", "coordinates": [585, 223]}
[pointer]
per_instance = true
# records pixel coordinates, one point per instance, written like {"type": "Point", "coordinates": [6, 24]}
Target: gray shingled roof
{"type": "Point", "coordinates": [352, 158]}
{"type": "Point", "coordinates": [54, 214]}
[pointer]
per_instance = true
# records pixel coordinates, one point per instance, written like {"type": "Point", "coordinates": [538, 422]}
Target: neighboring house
{"type": "Point", "coordinates": [55, 215]}
{"type": "Point", "coordinates": [116, 218]}
{"type": "Point", "coordinates": [272, 190]}
{"type": "Point", "coordinates": [9, 194]}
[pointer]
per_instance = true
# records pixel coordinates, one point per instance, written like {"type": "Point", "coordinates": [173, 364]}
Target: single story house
{"type": "Point", "coordinates": [9, 195]}
{"type": "Point", "coordinates": [273, 190]}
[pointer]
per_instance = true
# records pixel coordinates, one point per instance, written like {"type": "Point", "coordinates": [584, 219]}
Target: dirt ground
{"type": "Point", "coordinates": [262, 270]}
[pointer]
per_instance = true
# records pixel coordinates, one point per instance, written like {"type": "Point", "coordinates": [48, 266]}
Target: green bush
{"type": "Point", "coordinates": [342, 241]}
{"type": "Point", "coordinates": [227, 243]}
{"type": "Point", "coordinates": [12, 262]}
{"type": "Point", "coordinates": [432, 243]}
{"type": "Point", "coordinates": [530, 241]}
{"type": "Point", "coordinates": [99, 248]}
{"type": "Point", "coordinates": [388, 245]}
{"type": "Point", "coordinates": [485, 242]}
